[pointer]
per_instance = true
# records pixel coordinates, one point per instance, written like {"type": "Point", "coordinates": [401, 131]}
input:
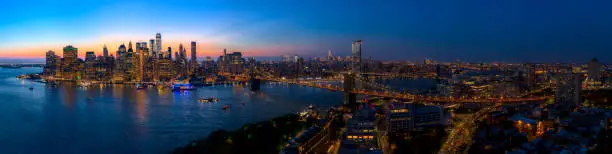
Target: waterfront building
{"type": "Point", "coordinates": [50, 63]}
{"type": "Point", "coordinates": [70, 63]}
{"type": "Point", "coordinates": [232, 63]}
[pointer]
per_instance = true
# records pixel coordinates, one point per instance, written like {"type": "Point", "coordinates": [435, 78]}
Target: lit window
{"type": "Point", "coordinates": [350, 137]}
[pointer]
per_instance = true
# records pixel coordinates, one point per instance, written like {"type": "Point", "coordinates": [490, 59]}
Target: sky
{"type": "Point", "coordinates": [445, 30]}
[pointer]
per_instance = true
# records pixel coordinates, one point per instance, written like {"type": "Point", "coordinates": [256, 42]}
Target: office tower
{"type": "Point", "coordinates": [105, 51]}
{"type": "Point", "coordinates": [330, 57]}
{"type": "Point", "coordinates": [152, 48]}
{"type": "Point", "coordinates": [594, 70]}
{"type": "Point", "coordinates": [181, 54]}
{"type": "Point", "coordinates": [158, 43]}
{"type": "Point", "coordinates": [193, 52]}
{"type": "Point", "coordinates": [356, 59]}
{"type": "Point", "coordinates": [50, 63]}
{"type": "Point", "coordinates": [169, 53]}
{"type": "Point", "coordinates": [70, 64]}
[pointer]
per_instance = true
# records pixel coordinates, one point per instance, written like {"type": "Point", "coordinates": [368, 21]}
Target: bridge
{"type": "Point", "coordinates": [354, 83]}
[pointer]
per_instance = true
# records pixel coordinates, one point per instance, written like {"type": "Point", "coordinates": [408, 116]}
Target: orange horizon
{"type": "Point", "coordinates": [203, 50]}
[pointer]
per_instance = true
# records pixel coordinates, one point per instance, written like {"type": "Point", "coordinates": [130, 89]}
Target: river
{"type": "Point", "coordinates": [121, 119]}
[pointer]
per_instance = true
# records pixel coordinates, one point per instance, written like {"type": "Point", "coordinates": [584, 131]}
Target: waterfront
{"type": "Point", "coordinates": [121, 119]}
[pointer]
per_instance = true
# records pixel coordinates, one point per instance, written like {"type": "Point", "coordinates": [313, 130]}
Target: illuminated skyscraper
{"type": "Point", "coordinates": [356, 59]}
{"type": "Point", "coordinates": [50, 63]}
{"type": "Point", "coordinates": [193, 52]}
{"type": "Point", "coordinates": [181, 52]}
{"type": "Point", "coordinates": [330, 57]}
{"type": "Point", "coordinates": [70, 64]}
{"type": "Point", "coordinates": [153, 51]}
{"type": "Point", "coordinates": [158, 43]}
{"type": "Point", "coordinates": [169, 53]}
{"type": "Point", "coordinates": [105, 51]}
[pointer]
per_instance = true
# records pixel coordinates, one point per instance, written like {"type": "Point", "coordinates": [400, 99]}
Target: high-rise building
{"type": "Point", "coordinates": [567, 89]}
{"type": "Point", "coordinates": [169, 53]}
{"type": "Point", "coordinates": [181, 52]}
{"type": "Point", "coordinates": [158, 43]}
{"type": "Point", "coordinates": [594, 70]}
{"type": "Point", "coordinates": [330, 57]}
{"type": "Point", "coordinates": [153, 51]}
{"type": "Point", "coordinates": [356, 59]}
{"type": "Point", "coordinates": [105, 51]}
{"type": "Point", "coordinates": [50, 63]}
{"type": "Point", "coordinates": [193, 52]}
{"type": "Point", "coordinates": [70, 63]}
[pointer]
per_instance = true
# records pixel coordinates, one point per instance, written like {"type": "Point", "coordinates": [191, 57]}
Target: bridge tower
{"type": "Point", "coordinates": [254, 83]}
{"type": "Point", "coordinates": [349, 85]}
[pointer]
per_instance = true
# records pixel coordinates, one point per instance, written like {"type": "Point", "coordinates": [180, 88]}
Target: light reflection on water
{"type": "Point", "coordinates": [121, 119]}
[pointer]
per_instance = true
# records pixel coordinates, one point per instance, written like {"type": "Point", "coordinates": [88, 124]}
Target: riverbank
{"type": "Point", "coordinates": [261, 137]}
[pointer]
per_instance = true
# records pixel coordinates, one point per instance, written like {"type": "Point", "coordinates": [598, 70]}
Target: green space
{"type": "Point", "coordinates": [262, 137]}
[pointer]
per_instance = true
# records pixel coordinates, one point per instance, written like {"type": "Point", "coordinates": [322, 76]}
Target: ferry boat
{"type": "Point", "coordinates": [140, 86]}
{"type": "Point", "coordinates": [209, 99]}
{"type": "Point", "coordinates": [226, 107]}
{"type": "Point", "coordinates": [180, 87]}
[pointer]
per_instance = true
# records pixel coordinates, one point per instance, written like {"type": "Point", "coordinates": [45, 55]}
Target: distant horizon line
{"type": "Point", "coordinates": [11, 60]}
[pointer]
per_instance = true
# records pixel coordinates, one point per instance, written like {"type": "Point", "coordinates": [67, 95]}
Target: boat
{"type": "Point", "coordinates": [180, 87]}
{"type": "Point", "coordinates": [140, 86]}
{"type": "Point", "coordinates": [207, 100]}
{"type": "Point", "coordinates": [226, 107]}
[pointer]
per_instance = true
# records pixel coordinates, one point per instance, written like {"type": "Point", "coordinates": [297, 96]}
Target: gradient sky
{"type": "Point", "coordinates": [471, 30]}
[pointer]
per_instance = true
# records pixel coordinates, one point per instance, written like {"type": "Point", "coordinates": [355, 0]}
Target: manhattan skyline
{"type": "Point", "coordinates": [559, 31]}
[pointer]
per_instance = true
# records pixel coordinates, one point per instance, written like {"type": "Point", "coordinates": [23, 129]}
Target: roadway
{"type": "Point", "coordinates": [458, 137]}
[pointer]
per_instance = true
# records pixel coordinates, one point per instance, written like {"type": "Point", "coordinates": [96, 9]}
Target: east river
{"type": "Point", "coordinates": [122, 119]}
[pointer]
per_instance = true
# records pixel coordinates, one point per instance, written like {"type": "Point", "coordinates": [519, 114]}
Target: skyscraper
{"type": "Point", "coordinates": [169, 53]}
{"type": "Point", "coordinates": [330, 57]}
{"type": "Point", "coordinates": [193, 52]}
{"type": "Point", "coordinates": [105, 51]}
{"type": "Point", "coordinates": [356, 59]}
{"type": "Point", "coordinates": [50, 63]}
{"type": "Point", "coordinates": [158, 43]}
{"type": "Point", "coordinates": [181, 52]}
{"type": "Point", "coordinates": [153, 51]}
{"type": "Point", "coordinates": [70, 62]}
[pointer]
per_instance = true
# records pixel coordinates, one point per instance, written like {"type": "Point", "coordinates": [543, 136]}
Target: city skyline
{"type": "Point", "coordinates": [515, 31]}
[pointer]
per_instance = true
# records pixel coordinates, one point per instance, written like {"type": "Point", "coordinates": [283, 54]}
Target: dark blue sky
{"type": "Point", "coordinates": [473, 30]}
